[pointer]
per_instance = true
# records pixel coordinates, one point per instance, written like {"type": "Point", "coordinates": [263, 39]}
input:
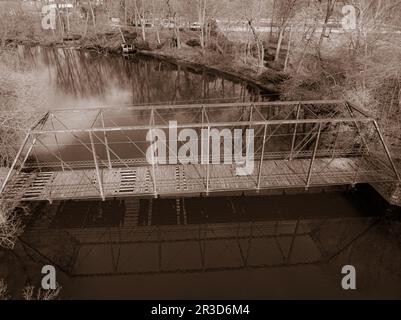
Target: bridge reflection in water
{"type": "Point", "coordinates": [296, 144]}
{"type": "Point", "coordinates": [132, 236]}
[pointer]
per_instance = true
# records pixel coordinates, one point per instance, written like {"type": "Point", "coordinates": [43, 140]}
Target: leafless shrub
{"type": "Point", "coordinates": [3, 290]}
{"type": "Point", "coordinates": [10, 223]}
{"type": "Point", "coordinates": [28, 293]}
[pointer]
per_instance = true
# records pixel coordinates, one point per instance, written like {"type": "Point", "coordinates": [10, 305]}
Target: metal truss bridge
{"type": "Point", "coordinates": [100, 153]}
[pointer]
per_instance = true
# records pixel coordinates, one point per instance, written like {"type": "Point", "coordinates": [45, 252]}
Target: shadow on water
{"type": "Point", "coordinates": [271, 246]}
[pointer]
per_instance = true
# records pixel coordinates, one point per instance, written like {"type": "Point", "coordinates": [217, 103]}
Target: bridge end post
{"type": "Point", "coordinates": [387, 151]}
{"type": "Point", "coordinates": [14, 164]}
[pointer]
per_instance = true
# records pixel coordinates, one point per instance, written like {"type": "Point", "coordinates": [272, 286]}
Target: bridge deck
{"type": "Point", "coordinates": [181, 180]}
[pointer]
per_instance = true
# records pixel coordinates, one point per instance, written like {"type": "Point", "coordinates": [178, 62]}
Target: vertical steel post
{"type": "Point", "coordinates": [335, 142]}
{"type": "Point", "coordinates": [55, 137]}
{"type": "Point", "coordinates": [106, 141]}
{"type": "Point", "coordinates": [262, 158]}
{"type": "Point", "coordinates": [205, 119]}
{"type": "Point", "coordinates": [152, 122]}
{"type": "Point", "coordinates": [208, 160]}
{"type": "Point", "coordinates": [295, 131]}
{"type": "Point", "coordinates": [387, 151]}
{"type": "Point", "coordinates": [97, 167]}
{"type": "Point", "coordinates": [313, 156]}
{"type": "Point", "coordinates": [250, 116]}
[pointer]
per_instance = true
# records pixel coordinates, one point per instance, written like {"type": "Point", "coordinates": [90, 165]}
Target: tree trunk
{"type": "Point", "coordinates": [288, 50]}
{"type": "Point", "coordinates": [329, 12]}
{"type": "Point", "coordinates": [259, 44]}
{"type": "Point", "coordinates": [154, 22]}
{"type": "Point", "coordinates": [279, 42]}
{"type": "Point", "coordinates": [143, 22]}
{"type": "Point", "coordinates": [177, 32]}
{"type": "Point", "coordinates": [93, 14]}
{"type": "Point", "coordinates": [202, 18]}
{"type": "Point", "coordinates": [125, 12]}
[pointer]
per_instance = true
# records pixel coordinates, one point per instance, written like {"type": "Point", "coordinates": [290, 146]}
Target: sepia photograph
{"type": "Point", "coordinates": [213, 153]}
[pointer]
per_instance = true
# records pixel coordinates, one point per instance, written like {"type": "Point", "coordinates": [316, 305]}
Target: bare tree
{"type": "Point", "coordinates": [284, 11]}
{"type": "Point", "coordinates": [92, 11]}
{"type": "Point", "coordinates": [140, 14]}
{"type": "Point", "coordinates": [156, 20]}
{"type": "Point", "coordinates": [202, 4]}
{"type": "Point", "coordinates": [172, 13]}
{"type": "Point", "coordinates": [252, 13]}
{"type": "Point", "coordinates": [328, 14]}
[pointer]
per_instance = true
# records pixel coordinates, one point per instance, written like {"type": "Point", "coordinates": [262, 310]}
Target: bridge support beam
{"type": "Point", "coordinates": [106, 141]}
{"type": "Point", "coordinates": [262, 158]}
{"type": "Point", "coordinates": [205, 119]}
{"type": "Point", "coordinates": [99, 178]}
{"type": "Point", "coordinates": [313, 157]}
{"type": "Point", "coordinates": [151, 124]}
{"type": "Point", "coordinates": [295, 131]}
{"type": "Point", "coordinates": [208, 161]}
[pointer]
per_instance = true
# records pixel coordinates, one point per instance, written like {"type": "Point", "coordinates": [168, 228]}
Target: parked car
{"type": "Point", "coordinates": [195, 26]}
{"type": "Point", "coordinates": [167, 23]}
{"type": "Point", "coordinates": [115, 22]}
{"type": "Point", "coordinates": [148, 23]}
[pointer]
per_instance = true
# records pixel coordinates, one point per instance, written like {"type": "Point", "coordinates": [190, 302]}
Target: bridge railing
{"type": "Point", "coordinates": [315, 135]}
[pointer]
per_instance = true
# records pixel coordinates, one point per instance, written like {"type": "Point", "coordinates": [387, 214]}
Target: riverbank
{"type": "Point", "coordinates": [221, 55]}
{"type": "Point", "coordinates": [266, 82]}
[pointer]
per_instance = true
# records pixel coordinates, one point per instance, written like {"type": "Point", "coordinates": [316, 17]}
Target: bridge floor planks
{"type": "Point", "coordinates": [191, 179]}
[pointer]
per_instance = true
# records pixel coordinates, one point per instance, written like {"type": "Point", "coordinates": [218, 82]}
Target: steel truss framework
{"type": "Point", "coordinates": [100, 152]}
